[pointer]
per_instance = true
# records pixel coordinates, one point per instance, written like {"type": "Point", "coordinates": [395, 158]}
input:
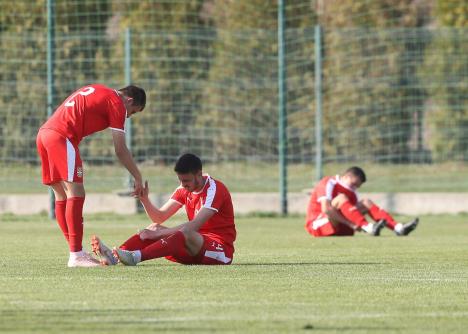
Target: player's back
{"type": "Point", "coordinates": [88, 110]}
{"type": "Point", "coordinates": [222, 223]}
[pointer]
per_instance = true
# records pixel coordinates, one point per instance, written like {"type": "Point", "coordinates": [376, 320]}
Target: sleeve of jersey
{"type": "Point", "coordinates": [214, 196]}
{"type": "Point", "coordinates": [324, 190]}
{"type": "Point", "coordinates": [179, 196]}
{"type": "Point", "coordinates": [117, 115]}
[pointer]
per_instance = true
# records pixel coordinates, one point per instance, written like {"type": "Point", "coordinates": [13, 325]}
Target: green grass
{"type": "Point", "coordinates": [281, 281]}
{"type": "Point", "coordinates": [254, 177]}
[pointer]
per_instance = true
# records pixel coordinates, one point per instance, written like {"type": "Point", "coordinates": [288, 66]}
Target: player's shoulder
{"type": "Point", "coordinates": [99, 86]}
{"type": "Point", "coordinates": [217, 183]}
{"type": "Point", "coordinates": [326, 180]}
{"type": "Point", "coordinates": [102, 90]}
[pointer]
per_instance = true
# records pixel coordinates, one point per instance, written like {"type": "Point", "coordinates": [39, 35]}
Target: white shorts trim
{"type": "Point", "coordinates": [218, 256]}
{"type": "Point", "coordinates": [71, 159]}
{"type": "Point", "coordinates": [318, 223]}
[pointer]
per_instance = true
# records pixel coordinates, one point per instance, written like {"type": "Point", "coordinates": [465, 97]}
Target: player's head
{"type": "Point", "coordinates": [189, 172]}
{"type": "Point", "coordinates": [354, 177]}
{"type": "Point", "coordinates": [134, 99]}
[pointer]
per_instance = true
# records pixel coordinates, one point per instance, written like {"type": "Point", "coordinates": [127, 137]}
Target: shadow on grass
{"type": "Point", "coordinates": [96, 321]}
{"type": "Point", "coordinates": [348, 328]}
{"type": "Point", "coordinates": [310, 264]}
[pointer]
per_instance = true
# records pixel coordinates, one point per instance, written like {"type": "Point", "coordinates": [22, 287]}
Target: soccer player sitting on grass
{"type": "Point", "coordinates": [334, 209]}
{"type": "Point", "coordinates": [207, 238]}
{"type": "Point", "coordinates": [88, 110]}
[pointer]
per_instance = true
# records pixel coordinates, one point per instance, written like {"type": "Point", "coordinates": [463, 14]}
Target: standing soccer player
{"type": "Point", "coordinates": [207, 238]}
{"type": "Point", "coordinates": [88, 110]}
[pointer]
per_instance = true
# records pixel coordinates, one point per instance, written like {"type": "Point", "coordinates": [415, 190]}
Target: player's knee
{"type": "Point", "coordinates": [193, 242]}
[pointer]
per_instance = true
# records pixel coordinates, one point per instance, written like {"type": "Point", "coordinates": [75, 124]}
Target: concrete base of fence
{"type": "Point", "coordinates": [244, 203]}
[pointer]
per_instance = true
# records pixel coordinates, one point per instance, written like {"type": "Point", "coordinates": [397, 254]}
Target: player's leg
{"type": "Point", "coordinates": [377, 214]}
{"type": "Point", "coordinates": [64, 166]}
{"type": "Point", "coordinates": [353, 214]}
{"type": "Point", "coordinates": [46, 141]}
{"type": "Point", "coordinates": [60, 207]}
{"type": "Point", "coordinates": [74, 214]}
{"type": "Point", "coordinates": [171, 245]}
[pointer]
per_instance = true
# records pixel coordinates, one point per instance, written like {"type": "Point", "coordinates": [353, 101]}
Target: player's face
{"type": "Point", "coordinates": [191, 181]}
{"type": "Point", "coordinates": [131, 109]}
{"type": "Point", "coordinates": [352, 181]}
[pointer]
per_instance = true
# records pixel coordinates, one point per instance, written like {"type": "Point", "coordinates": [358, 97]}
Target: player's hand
{"type": "Point", "coordinates": [137, 189]}
{"type": "Point", "coordinates": [144, 192]}
{"type": "Point", "coordinates": [154, 232]}
{"type": "Point", "coordinates": [148, 234]}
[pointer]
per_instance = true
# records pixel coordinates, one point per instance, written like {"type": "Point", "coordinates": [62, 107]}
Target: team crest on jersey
{"type": "Point", "coordinates": [79, 171]}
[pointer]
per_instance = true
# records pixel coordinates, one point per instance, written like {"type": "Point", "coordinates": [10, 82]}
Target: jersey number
{"type": "Point", "coordinates": [84, 92]}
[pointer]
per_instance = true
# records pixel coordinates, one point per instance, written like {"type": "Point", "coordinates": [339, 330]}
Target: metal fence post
{"type": "Point", "coordinates": [282, 120]}
{"type": "Point", "coordinates": [318, 104]}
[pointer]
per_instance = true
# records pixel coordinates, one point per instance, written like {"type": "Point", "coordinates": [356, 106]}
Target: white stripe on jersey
{"type": "Point", "coordinates": [210, 194]}
{"type": "Point", "coordinates": [329, 188]}
{"type": "Point", "coordinates": [71, 157]}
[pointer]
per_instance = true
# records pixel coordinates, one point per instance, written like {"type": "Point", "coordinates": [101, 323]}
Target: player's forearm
{"type": "Point", "coordinates": [126, 159]}
{"type": "Point", "coordinates": [191, 226]}
{"type": "Point", "coordinates": [335, 216]}
{"type": "Point", "coordinates": [153, 213]}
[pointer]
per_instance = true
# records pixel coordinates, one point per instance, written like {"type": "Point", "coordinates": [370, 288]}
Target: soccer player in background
{"type": "Point", "coordinates": [88, 110]}
{"type": "Point", "coordinates": [208, 236]}
{"type": "Point", "coordinates": [334, 209]}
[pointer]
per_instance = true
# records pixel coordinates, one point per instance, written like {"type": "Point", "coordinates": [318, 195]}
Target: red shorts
{"type": "Point", "coordinates": [60, 159]}
{"type": "Point", "coordinates": [212, 252]}
{"type": "Point", "coordinates": [322, 227]}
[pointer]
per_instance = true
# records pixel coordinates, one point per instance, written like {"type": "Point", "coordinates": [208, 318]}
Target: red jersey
{"type": "Point", "coordinates": [88, 110]}
{"type": "Point", "coordinates": [214, 196]}
{"type": "Point", "coordinates": [328, 187]}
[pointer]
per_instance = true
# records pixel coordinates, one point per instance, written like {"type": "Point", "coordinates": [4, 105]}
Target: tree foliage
{"type": "Point", "coordinates": [394, 75]}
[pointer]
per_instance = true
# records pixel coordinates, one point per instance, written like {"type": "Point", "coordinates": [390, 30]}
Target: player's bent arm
{"type": "Point", "coordinates": [334, 214]}
{"type": "Point", "coordinates": [159, 216]}
{"type": "Point", "coordinates": [124, 155]}
{"type": "Point", "coordinates": [196, 223]}
{"type": "Point", "coordinates": [158, 232]}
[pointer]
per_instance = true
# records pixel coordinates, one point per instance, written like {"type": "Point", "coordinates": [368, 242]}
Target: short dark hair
{"type": "Point", "coordinates": [357, 171]}
{"type": "Point", "coordinates": [188, 163]}
{"type": "Point", "coordinates": [136, 93]}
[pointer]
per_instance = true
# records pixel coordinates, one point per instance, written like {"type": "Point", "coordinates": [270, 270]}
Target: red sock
{"type": "Point", "coordinates": [60, 207]}
{"type": "Point", "coordinates": [352, 213]}
{"type": "Point", "coordinates": [135, 243]}
{"type": "Point", "coordinates": [377, 213]}
{"type": "Point", "coordinates": [74, 217]}
{"type": "Point", "coordinates": [172, 245]}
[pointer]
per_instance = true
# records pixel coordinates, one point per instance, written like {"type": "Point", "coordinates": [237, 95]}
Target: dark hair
{"type": "Point", "coordinates": [357, 171]}
{"type": "Point", "coordinates": [136, 93]}
{"type": "Point", "coordinates": [188, 163]}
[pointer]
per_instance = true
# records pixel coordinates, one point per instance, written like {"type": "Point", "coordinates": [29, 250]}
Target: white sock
{"type": "Point", "coordinates": [367, 228]}
{"type": "Point", "coordinates": [74, 255]}
{"type": "Point", "coordinates": [137, 255]}
{"type": "Point", "coordinates": [398, 228]}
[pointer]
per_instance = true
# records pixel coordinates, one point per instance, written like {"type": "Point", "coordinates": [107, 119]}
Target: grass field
{"type": "Point", "coordinates": [281, 281]}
